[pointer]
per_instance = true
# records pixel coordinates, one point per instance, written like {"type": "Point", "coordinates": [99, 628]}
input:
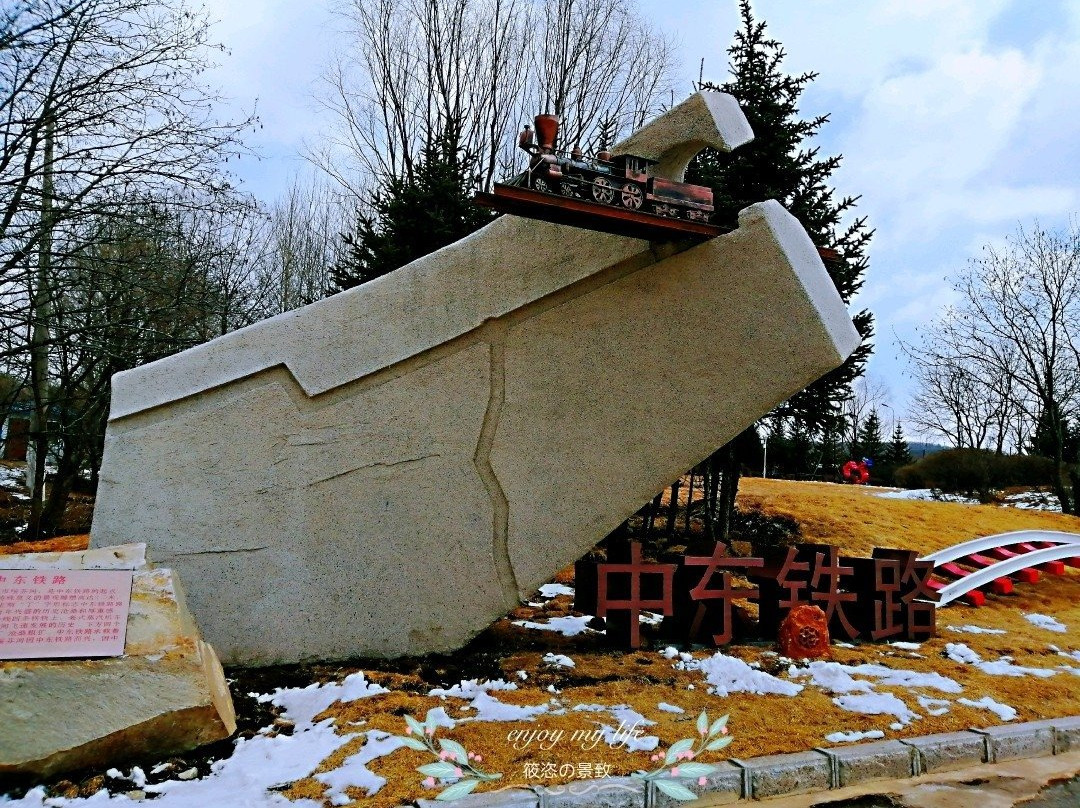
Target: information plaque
{"type": "Point", "coordinates": [51, 614]}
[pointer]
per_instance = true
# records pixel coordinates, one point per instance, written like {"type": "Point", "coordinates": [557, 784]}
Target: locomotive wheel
{"type": "Point", "coordinates": [632, 197]}
{"type": "Point", "coordinates": [542, 185]}
{"type": "Point", "coordinates": [602, 191]}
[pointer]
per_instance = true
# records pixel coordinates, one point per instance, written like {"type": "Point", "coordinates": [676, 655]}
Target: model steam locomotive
{"type": "Point", "coordinates": [623, 180]}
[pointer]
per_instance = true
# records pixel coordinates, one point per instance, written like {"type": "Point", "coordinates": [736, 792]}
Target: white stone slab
{"type": "Point", "coordinates": [386, 471]}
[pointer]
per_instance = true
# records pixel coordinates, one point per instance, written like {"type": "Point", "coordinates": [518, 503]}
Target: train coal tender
{"type": "Point", "coordinates": [612, 193]}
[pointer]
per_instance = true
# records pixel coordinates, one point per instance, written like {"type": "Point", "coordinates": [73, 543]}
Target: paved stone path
{"type": "Point", "coordinates": [1048, 782]}
{"type": "Point", "coordinates": [1062, 795]}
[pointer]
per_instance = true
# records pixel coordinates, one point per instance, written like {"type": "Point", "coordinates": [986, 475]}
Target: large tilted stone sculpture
{"type": "Point", "coordinates": [388, 470]}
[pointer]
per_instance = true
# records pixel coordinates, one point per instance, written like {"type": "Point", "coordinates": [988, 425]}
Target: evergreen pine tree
{"type": "Point", "coordinates": [1044, 441]}
{"type": "Point", "coordinates": [832, 455]}
{"type": "Point", "coordinates": [412, 216]}
{"type": "Point", "coordinates": [778, 164]}
{"type": "Point", "coordinates": [898, 453]}
{"type": "Point", "coordinates": [869, 442]}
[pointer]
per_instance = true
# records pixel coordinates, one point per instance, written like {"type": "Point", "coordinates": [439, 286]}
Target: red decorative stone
{"type": "Point", "coordinates": [804, 633]}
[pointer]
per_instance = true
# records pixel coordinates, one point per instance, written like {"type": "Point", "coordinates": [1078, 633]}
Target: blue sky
{"type": "Point", "coordinates": [958, 119]}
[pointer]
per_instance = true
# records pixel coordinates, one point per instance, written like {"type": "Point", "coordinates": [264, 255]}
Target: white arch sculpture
{"type": "Point", "coordinates": [1068, 546]}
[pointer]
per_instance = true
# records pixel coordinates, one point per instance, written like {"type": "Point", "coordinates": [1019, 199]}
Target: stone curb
{"type": "Point", "coordinates": [803, 772]}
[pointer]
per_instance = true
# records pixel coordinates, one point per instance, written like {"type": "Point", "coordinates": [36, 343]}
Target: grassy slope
{"type": "Point", "coordinates": [856, 520]}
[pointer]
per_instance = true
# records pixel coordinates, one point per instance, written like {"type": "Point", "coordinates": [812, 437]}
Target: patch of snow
{"type": "Point", "coordinates": [934, 706]}
{"type": "Point", "coordinates": [470, 688]}
{"type": "Point", "coordinates": [550, 591]}
{"type": "Point", "coordinates": [926, 494]}
{"type": "Point", "coordinates": [976, 630]}
{"type": "Point", "coordinates": [958, 652]}
{"type": "Point", "coordinates": [876, 704]}
{"type": "Point", "coordinates": [489, 708]}
{"type": "Point", "coordinates": [832, 677]}
{"type": "Point", "coordinates": [650, 618]}
{"type": "Point", "coordinates": [624, 734]}
{"type": "Point", "coordinates": [625, 737]}
{"type": "Point", "coordinates": [1046, 622]}
{"type": "Point", "coordinates": [669, 708]}
{"type": "Point", "coordinates": [729, 675]}
{"type": "Point", "coordinates": [558, 660]}
{"type": "Point", "coordinates": [440, 718]}
{"type": "Point", "coordinates": [568, 626]}
{"type": "Point", "coordinates": [906, 646]}
{"type": "Point", "coordinates": [670, 652]}
{"type": "Point", "coordinates": [837, 678]}
{"type": "Point", "coordinates": [522, 675]}
{"type": "Point", "coordinates": [854, 735]}
{"type": "Point", "coordinates": [247, 778]}
{"type": "Point", "coordinates": [1034, 500]}
{"type": "Point", "coordinates": [1002, 711]}
{"type": "Point", "coordinates": [1075, 655]}
{"type": "Point", "coordinates": [894, 677]}
{"type": "Point", "coordinates": [302, 704]}
{"type": "Point", "coordinates": [354, 773]}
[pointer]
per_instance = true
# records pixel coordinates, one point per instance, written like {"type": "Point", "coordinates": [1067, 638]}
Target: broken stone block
{"type": "Point", "coordinates": [165, 695]}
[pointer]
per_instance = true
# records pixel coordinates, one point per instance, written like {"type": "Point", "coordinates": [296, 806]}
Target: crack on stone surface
{"type": "Point", "coordinates": [223, 551]}
{"type": "Point", "coordinates": [379, 464]}
{"type": "Point", "coordinates": [500, 505]}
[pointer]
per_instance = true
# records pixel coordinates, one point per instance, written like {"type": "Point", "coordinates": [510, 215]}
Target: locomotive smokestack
{"type": "Point", "coordinates": [547, 132]}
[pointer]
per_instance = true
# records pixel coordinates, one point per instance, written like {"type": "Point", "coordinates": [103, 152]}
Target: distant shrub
{"type": "Point", "coordinates": [975, 472]}
{"type": "Point", "coordinates": [910, 476]}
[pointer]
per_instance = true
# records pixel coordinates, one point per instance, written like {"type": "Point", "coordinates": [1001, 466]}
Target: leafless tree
{"type": "Point", "coordinates": [299, 244]}
{"type": "Point", "coordinates": [466, 74]}
{"type": "Point", "coordinates": [1007, 354]}
{"type": "Point", "coordinates": [599, 66]}
{"type": "Point", "coordinates": [970, 402]}
{"type": "Point", "coordinates": [868, 394]}
{"type": "Point", "coordinates": [101, 103]}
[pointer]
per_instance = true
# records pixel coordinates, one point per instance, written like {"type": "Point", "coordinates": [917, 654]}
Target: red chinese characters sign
{"type": "Point", "coordinates": [48, 614]}
{"type": "Point", "coordinates": [884, 597]}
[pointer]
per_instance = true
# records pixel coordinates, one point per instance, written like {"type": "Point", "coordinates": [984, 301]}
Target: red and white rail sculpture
{"type": "Point", "coordinates": [993, 561]}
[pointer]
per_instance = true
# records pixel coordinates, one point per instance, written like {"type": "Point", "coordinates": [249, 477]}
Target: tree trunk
{"type": "Point", "coordinates": [53, 512]}
{"type": "Point", "coordinates": [673, 507]}
{"type": "Point", "coordinates": [729, 486]}
{"type": "Point", "coordinates": [39, 349]}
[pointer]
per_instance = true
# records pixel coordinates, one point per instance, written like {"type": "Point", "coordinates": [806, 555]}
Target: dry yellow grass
{"type": "Point", "coordinates": [58, 544]}
{"type": "Point", "coordinates": [851, 518]}
{"type": "Point", "coordinates": [856, 520]}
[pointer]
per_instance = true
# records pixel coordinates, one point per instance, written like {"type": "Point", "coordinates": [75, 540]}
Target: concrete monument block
{"type": "Point", "coordinates": [386, 471]}
{"type": "Point", "coordinates": [165, 695]}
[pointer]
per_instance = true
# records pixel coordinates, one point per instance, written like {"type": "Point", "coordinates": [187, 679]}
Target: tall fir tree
{"type": "Point", "coordinates": [831, 446]}
{"type": "Point", "coordinates": [1044, 440]}
{"type": "Point", "coordinates": [779, 164]}
{"type": "Point", "coordinates": [898, 453]}
{"type": "Point", "coordinates": [868, 442]}
{"type": "Point", "coordinates": [412, 215]}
